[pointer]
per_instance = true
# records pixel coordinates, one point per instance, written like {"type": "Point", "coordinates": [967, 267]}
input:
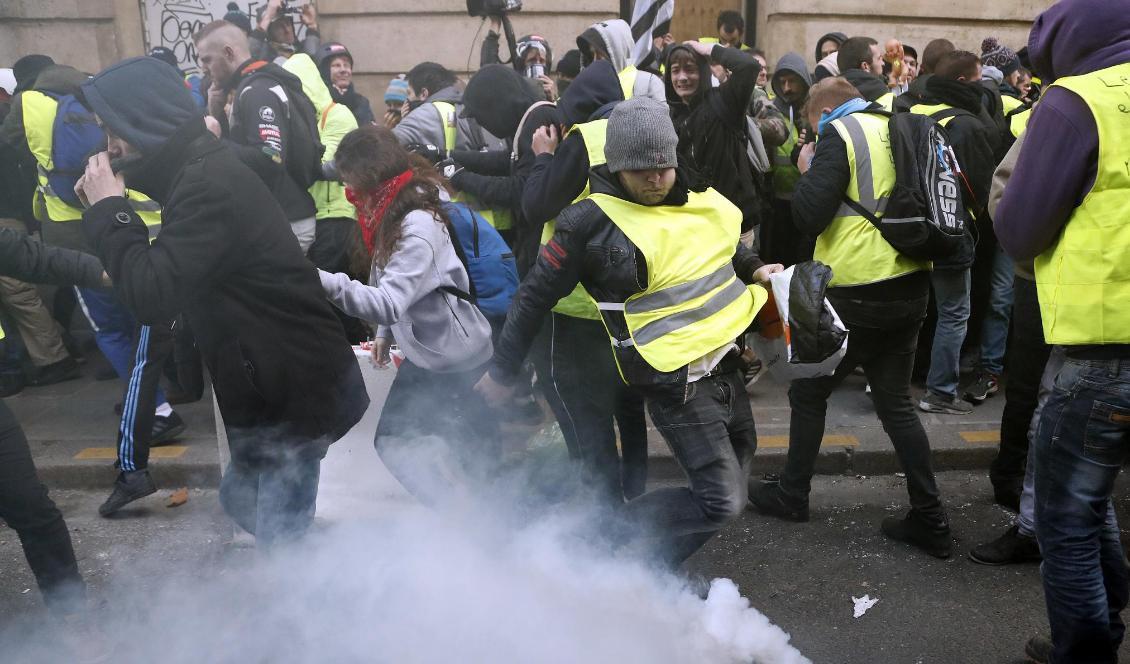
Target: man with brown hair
{"type": "Point", "coordinates": [881, 296]}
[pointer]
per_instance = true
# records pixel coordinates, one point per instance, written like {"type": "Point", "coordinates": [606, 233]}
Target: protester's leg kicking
{"type": "Point", "coordinates": [709, 427]}
{"type": "Point", "coordinates": [136, 428]}
{"type": "Point", "coordinates": [1082, 441]}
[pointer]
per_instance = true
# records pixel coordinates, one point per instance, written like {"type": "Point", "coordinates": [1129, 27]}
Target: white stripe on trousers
{"type": "Point", "coordinates": [129, 407]}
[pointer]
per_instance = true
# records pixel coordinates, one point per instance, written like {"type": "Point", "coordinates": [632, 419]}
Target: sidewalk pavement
{"type": "Point", "coordinates": [72, 429]}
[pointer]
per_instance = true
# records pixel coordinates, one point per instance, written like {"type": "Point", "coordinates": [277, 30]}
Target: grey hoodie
{"type": "Point", "coordinates": [791, 63]}
{"type": "Point", "coordinates": [436, 330]}
{"type": "Point", "coordinates": [615, 38]}
{"type": "Point", "coordinates": [424, 126]}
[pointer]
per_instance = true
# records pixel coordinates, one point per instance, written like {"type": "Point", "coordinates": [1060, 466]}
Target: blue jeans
{"type": "Point", "coordinates": [994, 329]}
{"type": "Point", "coordinates": [1081, 443]}
{"type": "Point", "coordinates": [951, 296]}
{"type": "Point", "coordinates": [1027, 519]}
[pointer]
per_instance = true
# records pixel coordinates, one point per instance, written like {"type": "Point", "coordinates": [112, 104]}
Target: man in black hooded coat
{"type": "Point", "coordinates": [285, 378]}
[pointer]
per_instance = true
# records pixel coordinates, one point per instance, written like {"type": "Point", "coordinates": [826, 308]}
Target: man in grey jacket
{"type": "Point", "coordinates": [435, 103]}
{"type": "Point", "coordinates": [612, 41]}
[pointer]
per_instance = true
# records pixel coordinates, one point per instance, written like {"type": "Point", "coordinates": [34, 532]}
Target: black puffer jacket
{"type": "Point", "coordinates": [588, 248]}
{"type": "Point", "coordinates": [713, 135]}
{"type": "Point", "coordinates": [281, 367]}
{"type": "Point", "coordinates": [24, 258]}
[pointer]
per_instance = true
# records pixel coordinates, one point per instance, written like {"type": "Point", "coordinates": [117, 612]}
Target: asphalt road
{"type": "Point", "coordinates": [802, 576]}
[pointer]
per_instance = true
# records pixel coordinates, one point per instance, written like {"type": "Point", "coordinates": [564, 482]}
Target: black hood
{"type": "Point", "coordinates": [673, 99]}
{"type": "Point", "coordinates": [497, 97]}
{"type": "Point", "coordinates": [870, 86]}
{"type": "Point", "coordinates": [837, 37]}
{"type": "Point", "coordinates": [146, 103]}
{"type": "Point", "coordinates": [595, 87]}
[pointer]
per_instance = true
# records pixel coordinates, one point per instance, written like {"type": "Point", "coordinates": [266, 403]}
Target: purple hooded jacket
{"type": "Point", "coordinates": [1057, 165]}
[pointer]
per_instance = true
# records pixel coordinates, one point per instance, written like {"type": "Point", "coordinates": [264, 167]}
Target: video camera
{"type": "Point", "coordinates": [485, 8]}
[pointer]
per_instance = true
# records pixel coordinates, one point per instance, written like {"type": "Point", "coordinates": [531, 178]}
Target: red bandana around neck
{"type": "Point", "coordinates": [371, 207]}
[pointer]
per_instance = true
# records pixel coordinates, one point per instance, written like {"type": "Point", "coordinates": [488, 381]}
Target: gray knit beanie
{"type": "Point", "coordinates": [995, 54]}
{"type": "Point", "coordinates": [640, 136]}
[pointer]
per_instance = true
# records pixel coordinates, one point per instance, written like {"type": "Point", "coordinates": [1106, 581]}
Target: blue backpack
{"type": "Point", "coordinates": [489, 261]}
{"type": "Point", "coordinates": [75, 136]}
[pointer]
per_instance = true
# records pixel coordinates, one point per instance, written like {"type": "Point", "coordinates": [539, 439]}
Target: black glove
{"type": "Point", "coordinates": [448, 168]}
{"type": "Point", "coordinates": [429, 152]}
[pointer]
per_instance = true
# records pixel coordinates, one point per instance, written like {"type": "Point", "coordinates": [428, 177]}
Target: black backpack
{"type": "Point", "coordinates": [304, 148]}
{"type": "Point", "coordinates": [924, 218]}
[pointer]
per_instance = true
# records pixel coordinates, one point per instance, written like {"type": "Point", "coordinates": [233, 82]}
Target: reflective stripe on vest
{"type": "Point", "coordinates": [627, 78]}
{"type": "Point", "coordinates": [694, 303]}
{"type": "Point", "coordinates": [500, 219]}
{"type": "Point", "coordinates": [39, 126]}
{"type": "Point", "coordinates": [578, 303]}
{"type": "Point", "coordinates": [1083, 279]}
{"type": "Point", "coordinates": [785, 173]}
{"type": "Point", "coordinates": [851, 245]}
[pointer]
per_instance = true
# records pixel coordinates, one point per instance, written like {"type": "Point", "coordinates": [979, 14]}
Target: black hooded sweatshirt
{"type": "Point", "coordinates": [557, 178]}
{"type": "Point", "coordinates": [712, 128]}
{"type": "Point", "coordinates": [283, 372]}
{"type": "Point", "coordinates": [499, 98]}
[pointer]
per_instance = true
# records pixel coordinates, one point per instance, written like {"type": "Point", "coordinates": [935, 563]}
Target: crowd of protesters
{"type": "Point", "coordinates": [521, 237]}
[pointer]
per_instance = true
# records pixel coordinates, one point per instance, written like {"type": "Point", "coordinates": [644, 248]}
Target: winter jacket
{"type": "Point", "coordinates": [974, 140]}
{"type": "Point", "coordinates": [791, 63]}
{"type": "Point", "coordinates": [615, 37]}
{"type": "Point", "coordinates": [712, 129]}
{"type": "Point", "coordinates": [870, 86]}
{"type": "Point", "coordinates": [334, 122]}
{"type": "Point", "coordinates": [424, 126]}
{"type": "Point", "coordinates": [1001, 177]}
{"type": "Point", "coordinates": [228, 261]}
{"type": "Point", "coordinates": [260, 130]}
{"type": "Point", "coordinates": [817, 199]}
{"type": "Point", "coordinates": [1058, 168]}
{"type": "Point", "coordinates": [557, 179]}
{"type": "Point", "coordinates": [588, 248]}
{"type": "Point", "coordinates": [24, 258]}
{"type": "Point", "coordinates": [508, 105]}
{"type": "Point", "coordinates": [436, 330]}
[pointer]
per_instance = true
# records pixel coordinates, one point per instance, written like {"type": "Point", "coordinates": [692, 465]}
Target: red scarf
{"type": "Point", "coordinates": [371, 207]}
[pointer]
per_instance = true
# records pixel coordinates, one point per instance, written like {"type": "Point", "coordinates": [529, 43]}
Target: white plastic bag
{"type": "Point", "coordinates": [771, 343]}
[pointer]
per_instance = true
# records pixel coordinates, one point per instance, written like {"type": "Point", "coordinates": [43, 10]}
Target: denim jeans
{"type": "Point", "coordinates": [1027, 519]}
{"type": "Point", "coordinates": [708, 424]}
{"type": "Point", "coordinates": [882, 339]}
{"type": "Point", "coordinates": [994, 329]}
{"type": "Point", "coordinates": [1081, 443]}
{"type": "Point", "coordinates": [951, 293]}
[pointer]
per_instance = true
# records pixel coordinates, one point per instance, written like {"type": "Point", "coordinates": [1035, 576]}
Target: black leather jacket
{"type": "Point", "coordinates": [588, 248]}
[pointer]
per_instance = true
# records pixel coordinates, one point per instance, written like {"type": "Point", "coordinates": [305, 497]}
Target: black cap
{"type": "Point", "coordinates": [27, 69]}
{"type": "Point", "coordinates": [164, 55]}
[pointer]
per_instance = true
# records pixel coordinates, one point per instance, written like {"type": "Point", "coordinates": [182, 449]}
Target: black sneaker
{"type": "Point", "coordinates": [56, 372]}
{"type": "Point", "coordinates": [985, 386]}
{"type": "Point", "coordinates": [936, 403]}
{"type": "Point", "coordinates": [1038, 650]}
{"type": "Point", "coordinates": [11, 384]}
{"type": "Point", "coordinates": [769, 499]}
{"type": "Point", "coordinates": [931, 537]}
{"type": "Point", "coordinates": [129, 486]}
{"type": "Point", "coordinates": [166, 429]}
{"type": "Point", "coordinates": [1011, 548]}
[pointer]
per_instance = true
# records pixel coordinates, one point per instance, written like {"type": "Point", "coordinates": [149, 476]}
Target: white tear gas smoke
{"type": "Point", "coordinates": [467, 582]}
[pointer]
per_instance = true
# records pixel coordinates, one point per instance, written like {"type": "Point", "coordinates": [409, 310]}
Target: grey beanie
{"type": "Point", "coordinates": [640, 136]}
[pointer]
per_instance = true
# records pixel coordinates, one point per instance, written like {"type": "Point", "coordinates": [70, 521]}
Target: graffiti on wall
{"type": "Point", "coordinates": [171, 23]}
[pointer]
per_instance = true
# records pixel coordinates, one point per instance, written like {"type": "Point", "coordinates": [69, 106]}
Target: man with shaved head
{"type": "Point", "coordinates": [261, 123]}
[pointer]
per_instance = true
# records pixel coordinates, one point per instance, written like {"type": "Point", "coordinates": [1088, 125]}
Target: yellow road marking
{"type": "Point", "coordinates": [783, 441]}
{"type": "Point", "coordinates": [167, 452]}
{"type": "Point", "coordinates": [981, 436]}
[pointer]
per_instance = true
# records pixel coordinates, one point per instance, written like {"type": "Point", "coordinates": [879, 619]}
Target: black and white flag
{"type": "Point", "coordinates": [646, 16]}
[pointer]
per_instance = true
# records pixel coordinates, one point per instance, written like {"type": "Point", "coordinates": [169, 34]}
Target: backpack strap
{"type": "Point", "coordinates": [950, 113]}
{"type": "Point", "coordinates": [325, 114]}
{"type": "Point", "coordinates": [863, 212]}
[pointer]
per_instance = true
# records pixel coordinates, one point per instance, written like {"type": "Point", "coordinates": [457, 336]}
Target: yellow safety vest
{"type": "Point", "coordinates": [694, 302]}
{"type": "Point", "coordinates": [887, 101]}
{"type": "Point", "coordinates": [1016, 113]}
{"type": "Point", "coordinates": [39, 123]}
{"type": "Point", "coordinates": [785, 173]}
{"type": "Point", "coordinates": [500, 219]}
{"type": "Point", "coordinates": [627, 78]}
{"type": "Point", "coordinates": [1083, 279]}
{"type": "Point", "coordinates": [851, 245]}
{"type": "Point", "coordinates": [714, 40]}
{"type": "Point", "coordinates": [578, 303]}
